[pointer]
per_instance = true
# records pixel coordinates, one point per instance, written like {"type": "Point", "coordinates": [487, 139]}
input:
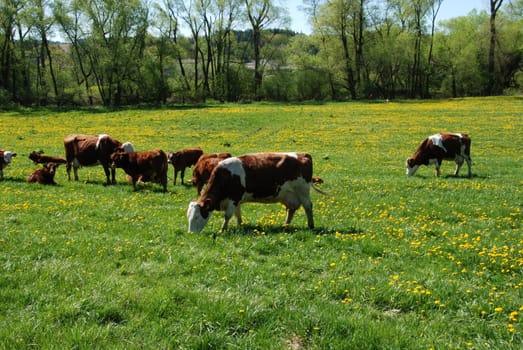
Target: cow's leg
{"type": "Point", "coordinates": [438, 165]}
{"type": "Point", "coordinates": [238, 214]}
{"type": "Point", "coordinates": [175, 175]}
{"type": "Point", "coordinates": [68, 168]}
{"type": "Point", "coordinates": [469, 165]}
{"type": "Point", "coordinates": [307, 205]}
{"type": "Point", "coordinates": [182, 175]}
{"type": "Point", "coordinates": [113, 176]}
{"type": "Point", "coordinates": [107, 174]}
{"type": "Point", "coordinates": [75, 170]}
{"type": "Point", "coordinates": [290, 215]}
{"type": "Point", "coordinates": [229, 210]}
{"type": "Point", "coordinates": [459, 163]}
{"type": "Point", "coordinates": [163, 180]}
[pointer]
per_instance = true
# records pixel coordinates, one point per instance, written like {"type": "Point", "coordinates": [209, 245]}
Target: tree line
{"type": "Point", "coordinates": [109, 52]}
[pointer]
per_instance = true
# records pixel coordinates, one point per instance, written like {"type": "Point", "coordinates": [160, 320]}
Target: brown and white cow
{"type": "Point", "coordinates": [204, 166]}
{"type": "Point", "coordinates": [89, 150]}
{"type": "Point", "coordinates": [182, 159]}
{"type": "Point", "coordinates": [145, 166]}
{"type": "Point", "coordinates": [5, 160]}
{"type": "Point", "coordinates": [44, 175]}
{"type": "Point", "coordinates": [260, 177]}
{"type": "Point", "coordinates": [40, 158]}
{"type": "Point", "coordinates": [443, 146]}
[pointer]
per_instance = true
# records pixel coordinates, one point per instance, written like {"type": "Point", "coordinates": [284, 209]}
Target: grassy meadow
{"type": "Point", "coordinates": [394, 263]}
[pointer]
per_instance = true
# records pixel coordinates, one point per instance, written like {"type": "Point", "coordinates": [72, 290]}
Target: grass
{"type": "Point", "coordinates": [395, 262]}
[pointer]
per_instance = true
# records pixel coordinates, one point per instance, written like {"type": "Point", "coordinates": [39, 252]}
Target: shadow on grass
{"type": "Point", "coordinates": [13, 179]}
{"type": "Point", "coordinates": [257, 230]}
{"type": "Point", "coordinates": [452, 176]}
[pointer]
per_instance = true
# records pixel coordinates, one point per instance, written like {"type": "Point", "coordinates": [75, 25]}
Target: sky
{"type": "Point", "coordinates": [449, 9]}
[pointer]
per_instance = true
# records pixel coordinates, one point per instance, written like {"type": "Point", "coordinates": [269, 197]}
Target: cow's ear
{"type": "Point", "coordinates": [13, 155]}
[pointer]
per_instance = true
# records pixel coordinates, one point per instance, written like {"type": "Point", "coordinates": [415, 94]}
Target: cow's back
{"type": "Point", "coordinates": [82, 147]}
{"type": "Point", "coordinates": [266, 172]}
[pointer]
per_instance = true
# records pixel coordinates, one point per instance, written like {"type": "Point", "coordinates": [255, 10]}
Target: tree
{"type": "Point", "coordinates": [493, 86]}
{"type": "Point", "coordinates": [261, 14]}
{"type": "Point", "coordinates": [115, 46]}
{"type": "Point", "coordinates": [458, 56]}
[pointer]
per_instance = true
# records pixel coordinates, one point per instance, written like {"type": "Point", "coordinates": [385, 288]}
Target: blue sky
{"type": "Point", "coordinates": [449, 9]}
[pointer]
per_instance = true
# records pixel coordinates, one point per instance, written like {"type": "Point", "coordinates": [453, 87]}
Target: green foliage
{"type": "Point", "coordinates": [395, 262]}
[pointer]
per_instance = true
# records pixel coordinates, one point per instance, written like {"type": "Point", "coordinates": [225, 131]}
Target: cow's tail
{"type": "Point", "coordinates": [317, 180]}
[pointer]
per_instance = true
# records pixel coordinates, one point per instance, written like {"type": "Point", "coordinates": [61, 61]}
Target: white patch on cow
{"type": "Point", "coordinates": [8, 155]}
{"type": "Point", "coordinates": [292, 154]}
{"type": "Point", "coordinates": [437, 140]}
{"type": "Point", "coordinates": [100, 137]}
{"type": "Point", "coordinates": [411, 170]}
{"type": "Point", "coordinates": [127, 147]}
{"type": "Point", "coordinates": [235, 166]}
{"type": "Point", "coordinates": [196, 221]}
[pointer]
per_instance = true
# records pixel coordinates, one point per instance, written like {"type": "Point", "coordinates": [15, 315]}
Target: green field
{"type": "Point", "coordinates": [394, 263]}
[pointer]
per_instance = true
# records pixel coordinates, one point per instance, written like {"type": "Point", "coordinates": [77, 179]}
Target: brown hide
{"type": "Point", "coordinates": [204, 167]}
{"type": "Point", "coordinates": [45, 175]}
{"type": "Point", "coordinates": [456, 148]}
{"type": "Point", "coordinates": [39, 158]}
{"type": "Point", "coordinates": [264, 175]}
{"type": "Point", "coordinates": [84, 149]}
{"type": "Point", "coordinates": [143, 166]}
{"type": "Point", "coordinates": [182, 159]}
{"type": "Point", "coordinates": [427, 150]}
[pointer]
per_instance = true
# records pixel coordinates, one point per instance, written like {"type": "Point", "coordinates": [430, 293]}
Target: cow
{"type": "Point", "coordinates": [143, 166]}
{"type": "Point", "coordinates": [40, 158]}
{"type": "Point", "coordinates": [44, 175]}
{"type": "Point", "coordinates": [88, 150]}
{"type": "Point", "coordinates": [259, 177]}
{"type": "Point", "coordinates": [5, 160]}
{"type": "Point", "coordinates": [182, 159]}
{"type": "Point", "coordinates": [443, 146]}
{"type": "Point", "coordinates": [204, 166]}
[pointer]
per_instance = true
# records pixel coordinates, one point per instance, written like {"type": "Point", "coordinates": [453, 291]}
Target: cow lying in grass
{"type": "Point", "coordinates": [44, 175]}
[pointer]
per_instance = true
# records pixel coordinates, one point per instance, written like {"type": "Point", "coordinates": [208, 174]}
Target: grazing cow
{"type": "Point", "coordinates": [434, 149]}
{"type": "Point", "coordinates": [39, 158]}
{"type": "Point", "coordinates": [261, 177]}
{"type": "Point", "coordinates": [204, 166]}
{"type": "Point", "coordinates": [5, 160]}
{"type": "Point", "coordinates": [44, 175]}
{"type": "Point", "coordinates": [143, 166]}
{"type": "Point", "coordinates": [184, 158]}
{"type": "Point", "coordinates": [88, 150]}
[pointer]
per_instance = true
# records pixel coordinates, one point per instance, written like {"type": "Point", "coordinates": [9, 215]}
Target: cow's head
{"type": "Point", "coordinates": [411, 166]}
{"type": "Point", "coordinates": [117, 159]}
{"type": "Point", "coordinates": [170, 157]}
{"type": "Point", "coordinates": [198, 216]}
{"type": "Point", "coordinates": [35, 156]}
{"type": "Point", "coordinates": [8, 155]}
{"type": "Point", "coordinates": [173, 157]}
{"type": "Point", "coordinates": [51, 167]}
